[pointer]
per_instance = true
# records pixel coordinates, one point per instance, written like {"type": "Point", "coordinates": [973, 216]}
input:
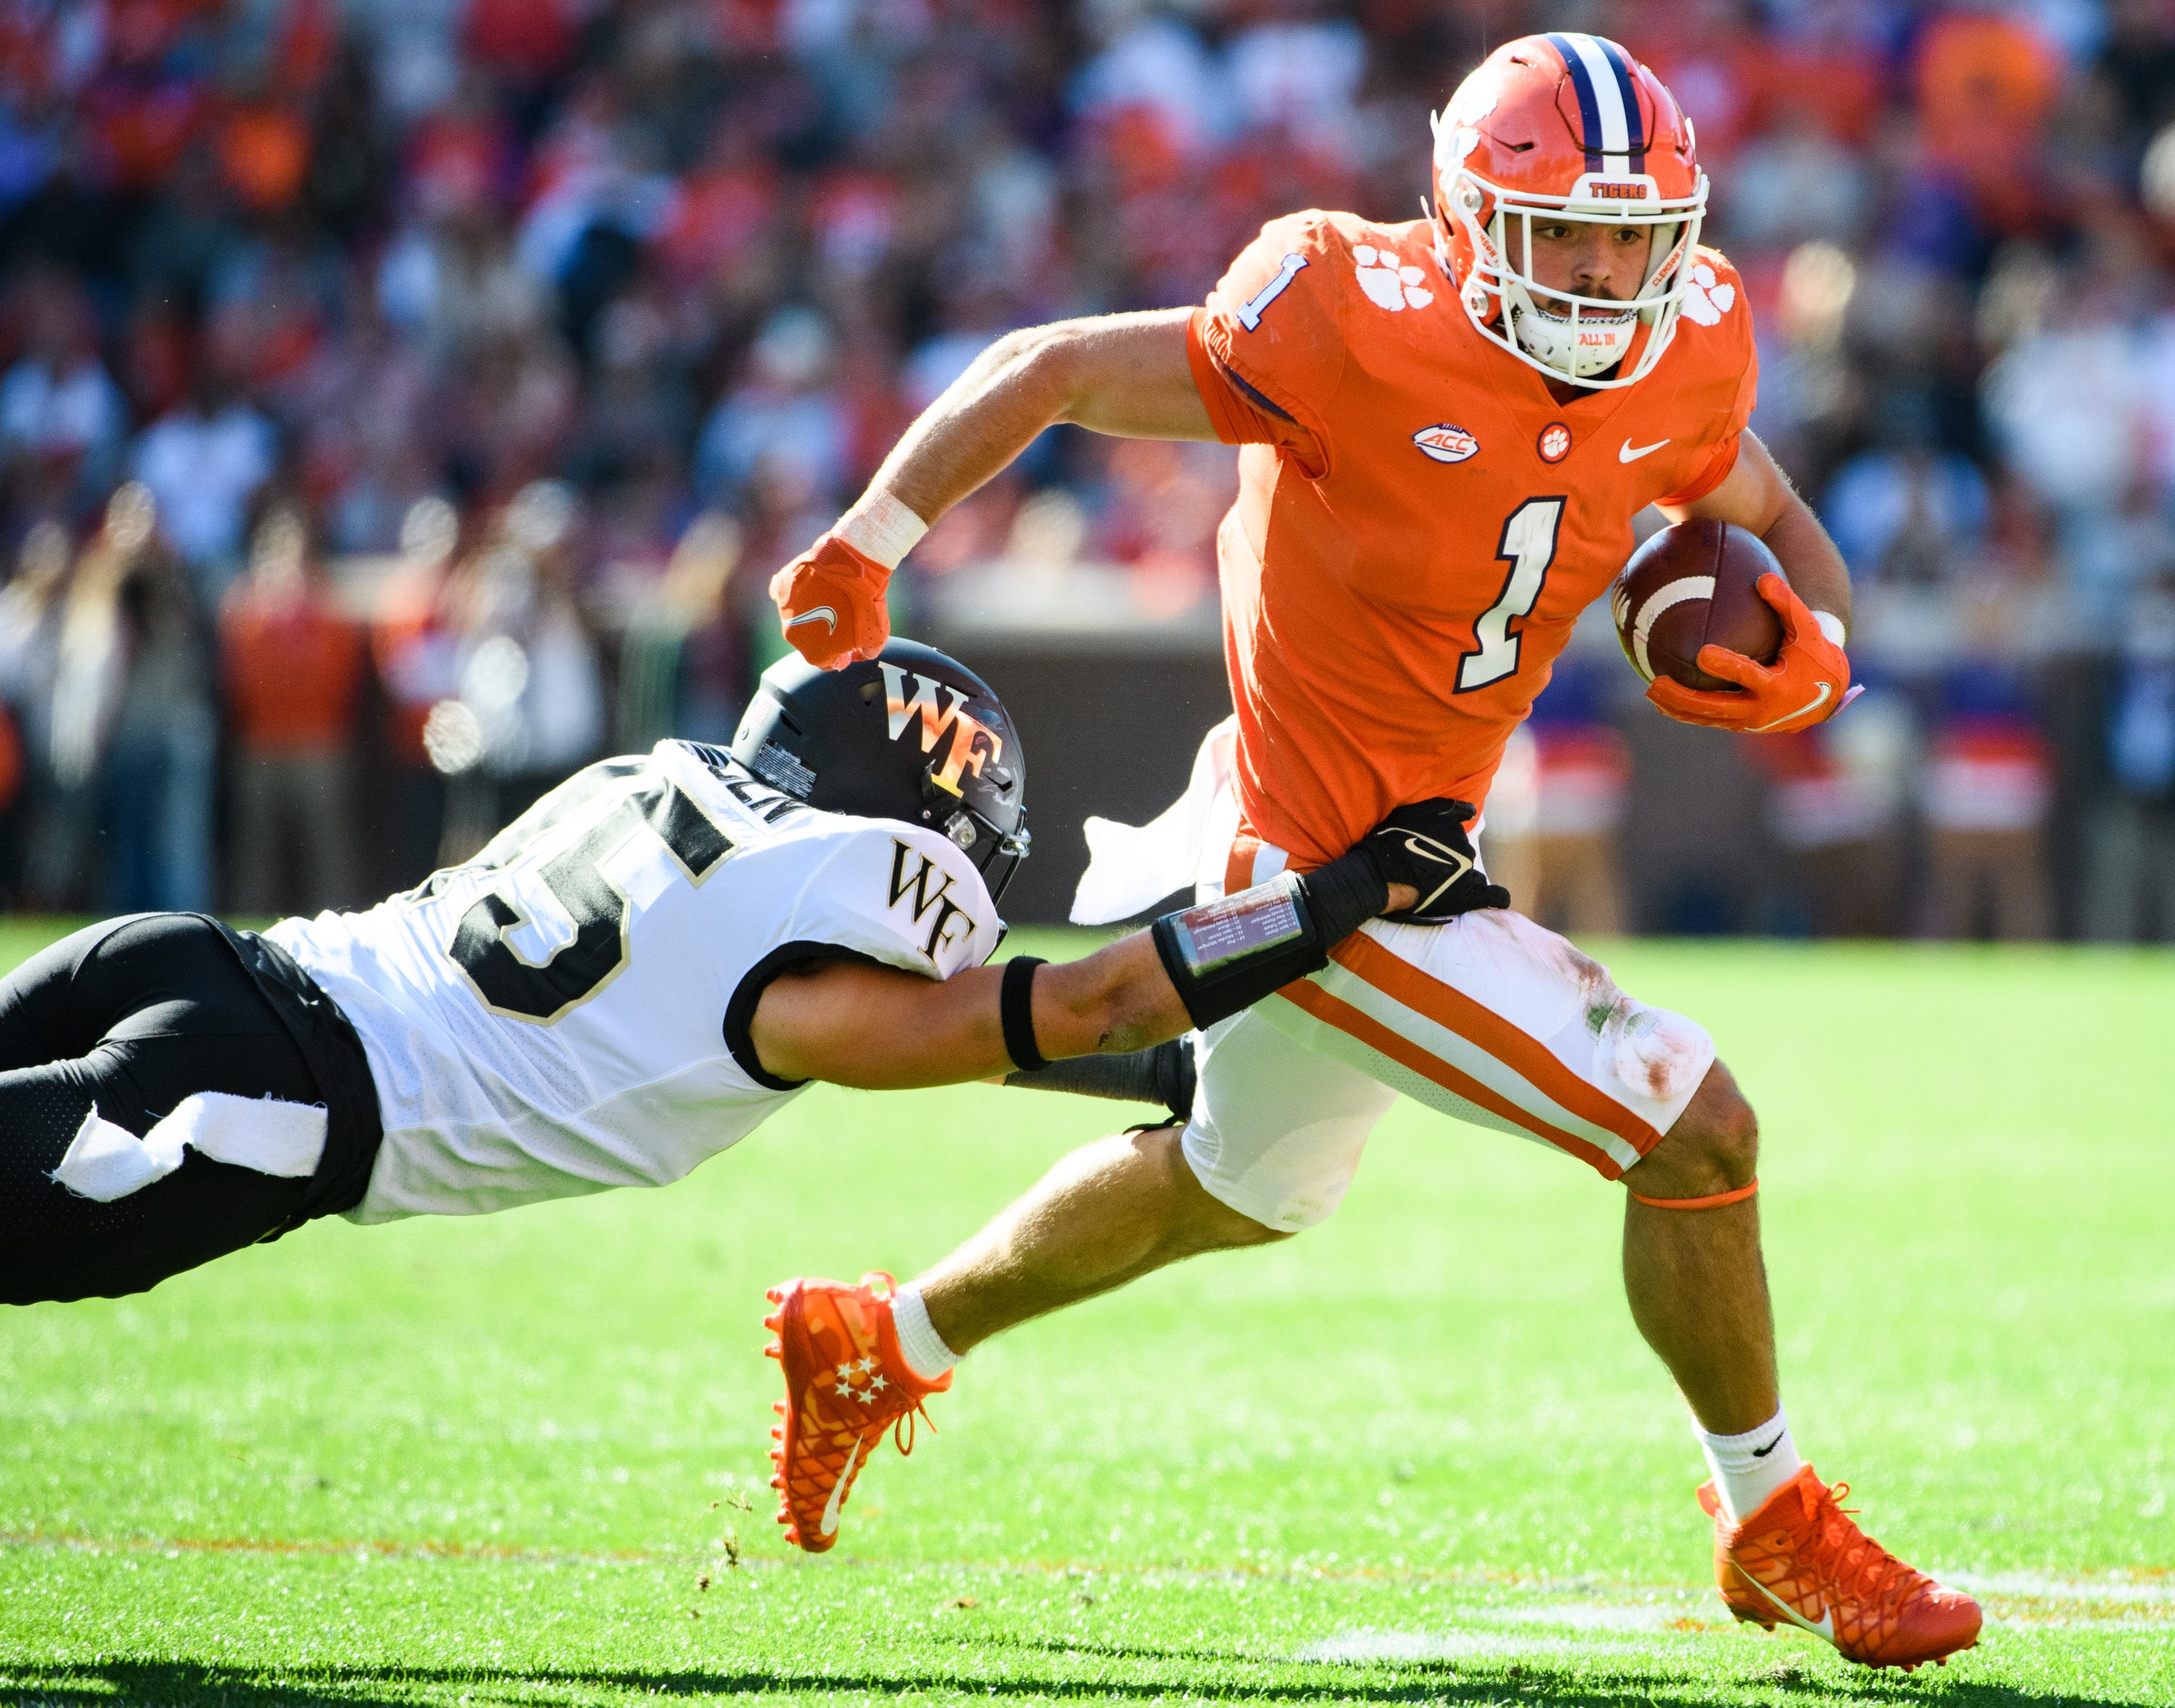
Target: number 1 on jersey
{"type": "Point", "coordinates": [1528, 545]}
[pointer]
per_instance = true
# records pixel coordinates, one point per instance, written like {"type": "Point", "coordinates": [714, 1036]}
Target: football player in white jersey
{"type": "Point", "coordinates": [627, 979]}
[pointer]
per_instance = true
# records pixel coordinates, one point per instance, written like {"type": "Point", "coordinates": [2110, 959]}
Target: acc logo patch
{"type": "Point", "coordinates": [1445, 443]}
{"type": "Point", "coordinates": [1554, 442]}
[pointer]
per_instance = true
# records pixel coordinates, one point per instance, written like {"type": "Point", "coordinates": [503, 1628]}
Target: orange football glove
{"type": "Point", "coordinates": [831, 606]}
{"type": "Point", "coordinates": [1808, 681]}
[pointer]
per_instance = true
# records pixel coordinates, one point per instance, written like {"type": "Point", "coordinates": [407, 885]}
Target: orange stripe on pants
{"type": "Point", "coordinates": [1335, 1011]}
{"type": "Point", "coordinates": [1455, 1011]}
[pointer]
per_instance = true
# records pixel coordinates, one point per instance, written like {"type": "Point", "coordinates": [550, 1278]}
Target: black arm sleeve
{"type": "Point", "coordinates": [1164, 1075]}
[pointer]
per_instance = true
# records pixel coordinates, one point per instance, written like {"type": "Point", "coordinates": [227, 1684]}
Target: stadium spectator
{"type": "Point", "coordinates": [2131, 885]}
{"type": "Point", "coordinates": [1906, 511]}
{"type": "Point", "coordinates": [1582, 772]}
{"type": "Point", "coordinates": [785, 412]}
{"type": "Point", "coordinates": [1506, 842]}
{"type": "Point", "coordinates": [686, 256]}
{"type": "Point", "coordinates": [133, 730]}
{"type": "Point", "coordinates": [203, 462]}
{"type": "Point", "coordinates": [31, 606]}
{"type": "Point", "coordinates": [1836, 803]}
{"type": "Point", "coordinates": [62, 421]}
{"type": "Point", "coordinates": [291, 664]}
{"type": "Point", "coordinates": [416, 658]}
{"type": "Point", "coordinates": [1987, 784]}
{"type": "Point", "coordinates": [530, 705]}
{"type": "Point", "coordinates": [683, 664]}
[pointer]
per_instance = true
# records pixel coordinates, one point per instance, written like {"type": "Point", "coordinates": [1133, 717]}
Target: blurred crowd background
{"type": "Point", "coordinates": [402, 402]}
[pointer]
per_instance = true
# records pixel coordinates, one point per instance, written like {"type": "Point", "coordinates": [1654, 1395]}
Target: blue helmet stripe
{"type": "Point", "coordinates": [1620, 62]}
{"type": "Point", "coordinates": [1589, 107]}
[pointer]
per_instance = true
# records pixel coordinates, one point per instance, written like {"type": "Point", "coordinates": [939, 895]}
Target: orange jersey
{"type": "Point", "coordinates": [1419, 522]}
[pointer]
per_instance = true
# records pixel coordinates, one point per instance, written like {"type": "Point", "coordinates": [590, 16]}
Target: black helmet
{"type": "Point", "coordinates": [914, 734]}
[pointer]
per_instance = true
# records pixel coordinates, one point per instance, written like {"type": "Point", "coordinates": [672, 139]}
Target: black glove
{"type": "Point", "coordinates": [1425, 845]}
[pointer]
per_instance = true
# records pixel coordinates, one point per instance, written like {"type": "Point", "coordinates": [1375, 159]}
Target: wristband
{"type": "Point", "coordinates": [1222, 957]}
{"type": "Point", "coordinates": [881, 527]}
{"type": "Point", "coordinates": [1832, 626]}
{"type": "Point", "coordinates": [1016, 1012]}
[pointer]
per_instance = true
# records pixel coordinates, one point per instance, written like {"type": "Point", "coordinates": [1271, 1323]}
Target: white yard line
{"type": "Point", "coordinates": [2112, 1601]}
{"type": "Point", "coordinates": [1361, 1647]}
{"type": "Point", "coordinates": [2116, 1588]}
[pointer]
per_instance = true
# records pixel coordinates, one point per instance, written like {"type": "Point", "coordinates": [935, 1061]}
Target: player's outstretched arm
{"type": "Point", "coordinates": [884, 1029]}
{"type": "Point", "coordinates": [1126, 375]}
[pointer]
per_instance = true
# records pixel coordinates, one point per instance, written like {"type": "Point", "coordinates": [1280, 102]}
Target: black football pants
{"type": "Point", "coordinates": [131, 1017]}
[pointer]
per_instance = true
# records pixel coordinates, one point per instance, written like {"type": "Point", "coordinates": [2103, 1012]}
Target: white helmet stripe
{"type": "Point", "coordinates": [1607, 100]}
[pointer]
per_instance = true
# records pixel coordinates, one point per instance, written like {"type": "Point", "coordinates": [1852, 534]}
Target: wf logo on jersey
{"type": "Point", "coordinates": [969, 733]}
{"type": "Point", "coordinates": [931, 888]}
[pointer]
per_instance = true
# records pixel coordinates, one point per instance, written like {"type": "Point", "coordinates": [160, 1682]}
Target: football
{"type": "Point", "coordinates": [1693, 583]}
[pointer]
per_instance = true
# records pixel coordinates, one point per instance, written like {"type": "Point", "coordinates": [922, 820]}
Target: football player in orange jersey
{"type": "Point", "coordinates": [1447, 427]}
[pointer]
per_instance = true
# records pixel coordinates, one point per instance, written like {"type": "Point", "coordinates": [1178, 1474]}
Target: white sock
{"type": "Point", "coordinates": [1749, 1468]}
{"type": "Point", "coordinates": [926, 1355]}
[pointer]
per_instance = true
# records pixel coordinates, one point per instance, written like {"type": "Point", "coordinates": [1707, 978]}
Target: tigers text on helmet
{"type": "Point", "coordinates": [1566, 127]}
{"type": "Point", "coordinates": [911, 734]}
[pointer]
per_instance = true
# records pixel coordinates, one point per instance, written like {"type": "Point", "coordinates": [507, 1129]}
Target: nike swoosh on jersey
{"type": "Point", "coordinates": [830, 1521]}
{"type": "Point", "coordinates": [830, 620]}
{"type": "Point", "coordinates": [1819, 700]}
{"type": "Point", "coordinates": [1625, 453]}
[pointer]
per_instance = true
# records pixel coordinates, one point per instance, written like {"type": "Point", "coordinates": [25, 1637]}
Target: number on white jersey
{"type": "Point", "coordinates": [1528, 545]}
{"type": "Point", "coordinates": [544, 991]}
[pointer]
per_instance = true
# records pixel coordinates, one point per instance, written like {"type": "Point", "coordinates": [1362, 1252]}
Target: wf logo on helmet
{"type": "Point", "coordinates": [968, 731]}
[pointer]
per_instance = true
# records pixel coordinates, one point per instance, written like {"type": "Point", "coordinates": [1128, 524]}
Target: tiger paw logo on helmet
{"type": "Point", "coordinates": [1388, 282]}
{"type": "Point", "coordinates": [1707, 298]}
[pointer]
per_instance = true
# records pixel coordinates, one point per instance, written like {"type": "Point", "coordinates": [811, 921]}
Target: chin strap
{"type": "Point", "coordinates": [1715, 1202]}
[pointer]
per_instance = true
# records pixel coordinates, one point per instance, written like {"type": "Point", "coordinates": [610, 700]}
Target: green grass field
{"type": "Point", "coordinates": [1419, 1454]}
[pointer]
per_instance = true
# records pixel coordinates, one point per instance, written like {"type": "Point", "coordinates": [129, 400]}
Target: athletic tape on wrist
{"type": "Point", "coordinates": [881, 527]}
{"type": "Point", "coordinates": [1714, 1202]}
{"type": "Point", "coordinates": [1016, 1012]}
{"type": "Point", "coordinates": [1831, 626]}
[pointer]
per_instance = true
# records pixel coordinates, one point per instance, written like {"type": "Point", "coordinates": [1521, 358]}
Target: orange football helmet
{"type": "Point", "coordinates": [1567, 127]}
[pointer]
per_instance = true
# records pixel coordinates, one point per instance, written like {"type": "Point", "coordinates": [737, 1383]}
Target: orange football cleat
{"type": "Point", "coordinates": [1799, 1560]}
{"type": "Point", "coordinates": [846, 1382]}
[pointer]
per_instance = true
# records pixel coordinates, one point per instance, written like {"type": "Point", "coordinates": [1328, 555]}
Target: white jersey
{"type": "Point", "coordinates": [569, 1011]}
